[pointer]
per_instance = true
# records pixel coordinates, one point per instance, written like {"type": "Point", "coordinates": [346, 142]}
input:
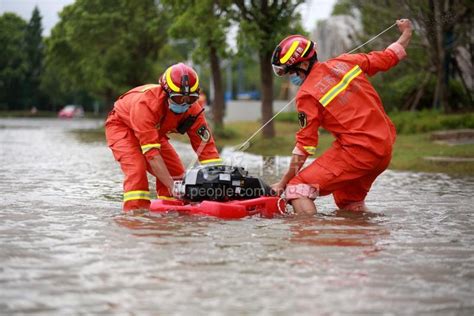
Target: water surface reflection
{"type": "Point", "coordinates": [342, 228]}
{"type": "Point", "coordinates": [66, 248]}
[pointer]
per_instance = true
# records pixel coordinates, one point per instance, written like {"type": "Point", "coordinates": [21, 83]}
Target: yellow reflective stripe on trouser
{"type": "Point", "coordinates": [136, 195]}
{"type": "Point", "coordinates": [167, 198]}
{"type": "Point", "coordinates": [310, 149]}
{"type": "Point", "coordinates": [147, 147]}
{"type": "Point", "coordinates": [341, 86]}
{"type": "Point", "coordinates": [215, 160]}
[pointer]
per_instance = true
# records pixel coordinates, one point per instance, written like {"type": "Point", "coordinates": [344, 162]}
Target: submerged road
{"type": "Point", "coordinates": [66, 248]}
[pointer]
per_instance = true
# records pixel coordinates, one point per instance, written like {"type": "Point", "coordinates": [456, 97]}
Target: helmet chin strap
{"type": "Point", "coordinates": [312, 61]}
{"type": "Point", "coordinates": [306, 71]}
{"type": "Point", "coordinates": [297, 70]}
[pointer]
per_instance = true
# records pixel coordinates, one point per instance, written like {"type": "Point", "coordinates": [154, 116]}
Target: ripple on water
{"type": "Point", "coordinates": [67, 249]}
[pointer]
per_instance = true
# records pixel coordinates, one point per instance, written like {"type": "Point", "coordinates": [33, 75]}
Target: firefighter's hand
{"type": "Point", "coordinates": [177, 187]}
{"type": "Point", "coordinates": [278, 187]}
{"type": "Point", "coordinates": [405, 26]}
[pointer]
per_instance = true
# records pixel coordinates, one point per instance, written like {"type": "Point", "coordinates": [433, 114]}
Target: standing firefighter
{"type": "Point", "coordinates": [337, 96]}
{"type": "Point", "coordinates": [137, 133]}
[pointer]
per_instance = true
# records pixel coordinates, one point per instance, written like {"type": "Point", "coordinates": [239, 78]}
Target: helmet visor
{"type": "Point", "coordinates": [182, 99]}
{"type": "Point", "coordinates": [280, 70]}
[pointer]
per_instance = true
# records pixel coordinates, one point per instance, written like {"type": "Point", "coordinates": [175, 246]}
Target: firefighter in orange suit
{"type": "Point", "coordinates": [137, 133]}
{"type": "Point", "coordinates": [337, 96]}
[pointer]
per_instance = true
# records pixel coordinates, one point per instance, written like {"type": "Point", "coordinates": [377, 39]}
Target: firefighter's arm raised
{"type": "Point", "coordinates": [377, 61]}
{"type": "Point", "coordinates": [406, 28]}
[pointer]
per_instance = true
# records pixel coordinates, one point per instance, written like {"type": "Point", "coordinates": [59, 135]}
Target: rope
{"type": "Point", "coordinates": [285, 210]}
{"type": "Point", "coordinates": [244, 145]}
{"type": "Point", "coordinates": [263, 126]}
{"type": "Point", "coordinates": [373, 38]}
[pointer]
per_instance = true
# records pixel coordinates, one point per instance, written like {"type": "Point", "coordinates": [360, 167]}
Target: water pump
{"type": "Point", "coordinates": [220, 183]}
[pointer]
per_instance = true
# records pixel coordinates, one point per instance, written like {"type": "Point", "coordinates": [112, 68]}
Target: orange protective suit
{"type": "Point", "coordinates": [337, 96]}
{"type": "Point", "coordinates": [136, 131]}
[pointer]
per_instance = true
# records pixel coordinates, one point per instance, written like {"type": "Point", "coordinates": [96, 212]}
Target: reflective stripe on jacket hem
{"type": "Point", "coordinates": [214, 160]}
{"type": "Point", "coordinates": [166, 198]}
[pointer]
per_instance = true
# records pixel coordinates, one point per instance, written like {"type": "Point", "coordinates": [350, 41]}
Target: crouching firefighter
{"type": "Point", "coordinates": [337, 96]}
{"type": "Point", "coordinates": [137, 133]}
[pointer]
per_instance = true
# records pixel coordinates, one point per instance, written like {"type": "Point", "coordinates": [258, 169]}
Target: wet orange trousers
{"type": "Point", "coordinates": [127, 151]}
{"type": "Point", "coordinates": [338, 172]}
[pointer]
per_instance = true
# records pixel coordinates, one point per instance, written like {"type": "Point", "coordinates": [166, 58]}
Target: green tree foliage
{"type": "Point", "coordinates": [105, 47]}
{"type": "Point", "coordinates": [434, 75]}
{"type": "Point", "coordinates": [13, 61]}
{"type": "Point", "coordinates": [205, 23]}
{"type": "Point", "coordinates": [34, 50]}
{"type": "Point", "coordinates": [263, 24]}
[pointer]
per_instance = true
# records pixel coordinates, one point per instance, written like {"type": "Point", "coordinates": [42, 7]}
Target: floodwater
{"type": "Point", "coordinates": [65, 247]}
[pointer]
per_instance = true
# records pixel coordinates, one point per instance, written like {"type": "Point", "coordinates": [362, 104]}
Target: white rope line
{"type": "Point", "coordinates": [372, 39]}
{"type": "Point", "coordinates": [263, 126]}
{"type": "Point", "coordinates": [193, 162]}
{"type": "Point", "coordinates": [244, 146]}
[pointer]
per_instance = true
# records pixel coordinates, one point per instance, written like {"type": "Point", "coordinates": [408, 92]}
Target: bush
{"type": "Point", "coordinates": [225, 133]}
{"type": "Point", "coordinates": [291, 117]}
{"type": "Point", "coordinates": [395, 90]}
{"type": "Point", "coordinates": [430, 120]}
{"type": "Point", "coordinates": [459, 99]}
{"type": "Point", "coordinates": [413, 122]}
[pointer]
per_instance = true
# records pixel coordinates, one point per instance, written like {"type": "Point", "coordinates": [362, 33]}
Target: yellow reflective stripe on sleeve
{"type": "Point", "coordinates": [148, 87]}
{"type": "Point", "coordinates": [167, 198]}
{"type": "Point", "coordinates": [215, 160]}
{"type": "Point", "coordinates": [290, 52]}
{"type": "Point", "coordinates": [136, 195]}
{"type": "Point", "coordinates": [310, 149]}
{"type": "Point", "coordinates": [147, 147]}
{"type": "Point", "coordinates": [341, 86]}
{"type": "Point", "coordinates": [170, 82]}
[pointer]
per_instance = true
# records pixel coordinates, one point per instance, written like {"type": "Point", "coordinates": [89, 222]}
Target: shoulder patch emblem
{"type": "Point", "coordinates": [204, 133]}
{"type": "Point", "coordinates": [302, 119]}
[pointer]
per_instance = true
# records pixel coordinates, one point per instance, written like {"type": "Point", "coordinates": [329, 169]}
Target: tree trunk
{"type": "Point", "coordinates": [439, 98]}
{"type": "Point", "coordinates": [464, 70]}
{"type": "Point", "coordinates": [109, 99]}
{"type": "Point", "coordinates": [266, 75]}
{"type": "Point", "coordinates": [218, 103]}
{"type": "Point", "coordinates": [420, 92]}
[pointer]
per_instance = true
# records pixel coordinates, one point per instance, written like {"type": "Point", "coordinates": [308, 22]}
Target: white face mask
{"type": "Point", "coordinates": [296, 80]}
{"type": "Point", "coordinates": [178, 108]}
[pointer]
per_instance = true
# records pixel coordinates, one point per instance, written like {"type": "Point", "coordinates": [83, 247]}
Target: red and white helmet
{"type": "Point", "coordinates": [180, 82]}
{"type": "Point", "coordinates": [290, 52]}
